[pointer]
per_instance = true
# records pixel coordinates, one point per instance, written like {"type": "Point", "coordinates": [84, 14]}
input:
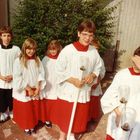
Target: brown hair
{"type": "Point", "coordinates": [6, 29]}
{"type": "Point", "coordinates": [54, 43]}
{"type": "Point", "coordinates": [137, 51]}
{"type": "Point", "coordinates": [87, 25]}
{"type": "Point", "coordinates": [29, 43]}
{"type": "Point", "coordinates": [95, 42]}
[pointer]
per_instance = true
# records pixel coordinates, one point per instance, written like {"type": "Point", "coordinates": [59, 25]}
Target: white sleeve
{"type": "Point", "coordinates": [110, 99]}
{"type": "Point", "coordinates": [41, 76]}
{"type": "Point", "coordinates": [18, 80]}
{"type": "Point", "coordinates": [19, 51]}
{"type": "Point", "coordinates": [103, 70]}
{"type": "Point", "coordinates": [44, 61]}
{"type": "Point", "coordinates": [61, 67]}
{"type": "Point", "coordinates": [98, 64]}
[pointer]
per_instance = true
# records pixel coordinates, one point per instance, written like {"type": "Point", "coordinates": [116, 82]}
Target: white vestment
{"type": "Point", "coordinates": [27, 76]}
{"type": "Point", "coordinates": [111, 100]}
{"type": "Point", "coordinates": [7, 58]}
{"type": "Point", "coordinates": [98, 90]}
{"type": "Point", "coordinates": [69, 63]}
{"type": "Point", "coordinates": [49, 67]}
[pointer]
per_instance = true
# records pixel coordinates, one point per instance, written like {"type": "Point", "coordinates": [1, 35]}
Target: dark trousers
{"type": "Point", "coordinates": [6, 100]}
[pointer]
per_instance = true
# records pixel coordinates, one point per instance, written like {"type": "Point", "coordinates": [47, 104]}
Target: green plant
{"type": "Point", "coordinates": [44, 20]}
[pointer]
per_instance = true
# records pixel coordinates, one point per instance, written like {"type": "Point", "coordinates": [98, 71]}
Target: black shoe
{"type": "Point", "coordinates": [48, 124]}
{"type": "Point", "coordinates": [33, 131]}
{"type": "Point", "coordinates": [28, 132]}
{"type": "Point", "coordinates": [78, 136]}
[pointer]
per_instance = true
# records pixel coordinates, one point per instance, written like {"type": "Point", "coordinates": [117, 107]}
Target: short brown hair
{"type": "Point", "coordinates": [6, 29]}
{"type": "Point", "coordinates": [137, 51]}
{"type": "Point", "coordinates": [55, 43]}
{"type": "Point", "coordinates": [87, 25]}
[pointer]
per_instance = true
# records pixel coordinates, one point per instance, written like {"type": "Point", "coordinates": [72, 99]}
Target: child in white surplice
{"type": "Point", "coordinates": [28, 83]}
{"type": "Point", "coordinates": [49, 60]}
{"type": "Point", "coordinates": [77, 66]}
{"type": "Point", "coordinates": [111, 101]}
{"type": "Point", "coordinates": [8, 54]}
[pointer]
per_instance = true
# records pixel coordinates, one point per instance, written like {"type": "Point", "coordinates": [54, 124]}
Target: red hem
{"type": "Point", "coordinates": [109, 137]}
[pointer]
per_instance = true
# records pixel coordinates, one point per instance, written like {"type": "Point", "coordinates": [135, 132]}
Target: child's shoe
{"type": "Point", "coordinates": [27, 132]}
{"type": "Point", "coordinates": [48, 124]}
{"type": "Point", "coordinates": [72, 137]}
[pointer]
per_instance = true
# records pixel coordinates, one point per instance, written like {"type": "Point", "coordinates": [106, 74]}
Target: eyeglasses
{"type": "Point", "coordinates": [85, 34]}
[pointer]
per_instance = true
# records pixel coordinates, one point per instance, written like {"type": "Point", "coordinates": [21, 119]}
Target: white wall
{"type": "Point", "coordinates": [127, 29]}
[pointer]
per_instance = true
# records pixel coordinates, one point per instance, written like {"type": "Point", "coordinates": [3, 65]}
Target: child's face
{"type": "Point", "coordinates": [136, 62]}
{"type": "Point", "coordinates": [30, 52]}
{"type": "Point", "coordinates": [6, 38]}
{"type": "Point", "coordinates": [53, 50]}
{"type": "Point", "coordinates": [85, 37]}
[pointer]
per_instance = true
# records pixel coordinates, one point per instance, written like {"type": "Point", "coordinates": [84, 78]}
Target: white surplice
{"type": "Point", "coordinates": [68, 65]}
{"type": "Point", "coordinates": [7, 58]}
{"type": "Point", "coordinates": [27, 76]}
{"type": "Point", "coordinates": [110, 101]}
{"type": "Point", "coordinates": [49, 67]}
{"type": "Point", "coordinates": [98, 90]}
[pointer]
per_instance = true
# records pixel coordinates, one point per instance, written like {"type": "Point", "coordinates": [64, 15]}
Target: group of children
{"type": "Point", "coordinates": [36, 90]}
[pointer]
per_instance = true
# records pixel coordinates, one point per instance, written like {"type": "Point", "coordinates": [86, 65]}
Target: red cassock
{"type": "Point", "coordinates": [95, 108]}
{"type": "Point", "coordinates": [26, 114]}
{"type": "Point", "coordinates": [81, 115]}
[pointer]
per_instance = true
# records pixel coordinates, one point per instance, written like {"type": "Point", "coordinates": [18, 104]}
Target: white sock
{"type": "Point", "coordinates": [72, 136]}
{"type": "Point", "coordinates": [47, 122]}
{"type": "Point", "coordinates": [11, 114]}
{"type": "Point", "coordinates": [5, 116]}
{"type": "Point", "coordinates": [26, 130]}
{"type": "Point", "coordinates": [2, 118]}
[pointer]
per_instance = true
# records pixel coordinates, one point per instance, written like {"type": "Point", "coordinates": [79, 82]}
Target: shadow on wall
{"type": "Point", "coordinates": [111, 56]}
{"type": "Point", "coordinates": [118, 61]}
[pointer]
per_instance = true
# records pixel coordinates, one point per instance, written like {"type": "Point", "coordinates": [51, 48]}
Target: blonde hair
{"type": "Point", "coordinates": [54, 43]}
{"type": "Point", "coordinates": [29, 43]}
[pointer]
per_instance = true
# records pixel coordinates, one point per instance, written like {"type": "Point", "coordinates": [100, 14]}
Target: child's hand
{"type": "Point", "coordinates": [29, 91]}
{"type": "Point", "coordinates": [118, 116]}
{"type": "Point", "coordinates": [89, 78]}
{"type": "Point", "coordinates": [9, 78]}
{"type": "Point", "coordinates": [76, 82]}
{"type": "Point", "coordinates": [94, 86]}
{"type": "Point", "coordinates": [36, 92]}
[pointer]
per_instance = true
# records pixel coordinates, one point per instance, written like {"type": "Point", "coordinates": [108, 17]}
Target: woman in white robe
{"type": "Point", "coordinates": [111, 104]}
